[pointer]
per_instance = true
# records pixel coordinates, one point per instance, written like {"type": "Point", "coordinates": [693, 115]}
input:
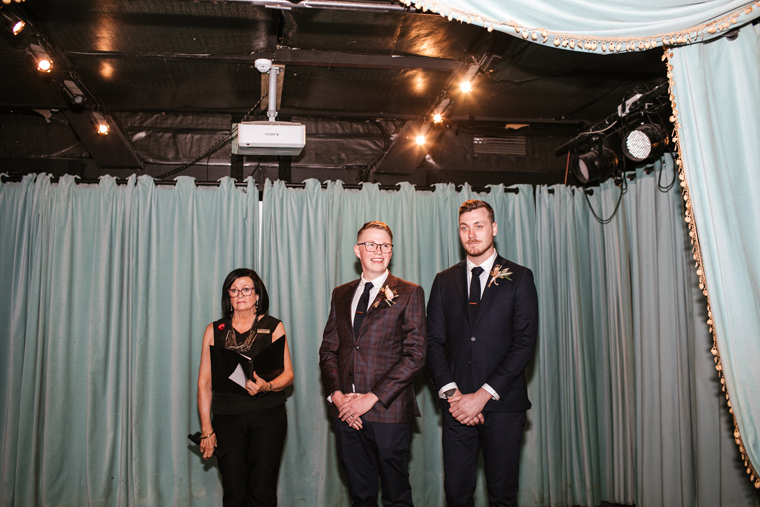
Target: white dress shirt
{"type": "Point", "coordinates": [487, 265]}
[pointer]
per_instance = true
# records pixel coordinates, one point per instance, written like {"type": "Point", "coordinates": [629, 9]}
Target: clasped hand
{"type": "Point", "coordinates": [256, 386]}
{"type": "Point", "coordinates": [467, 409]}
{"type": "Point", "coordinates": [352, 406]}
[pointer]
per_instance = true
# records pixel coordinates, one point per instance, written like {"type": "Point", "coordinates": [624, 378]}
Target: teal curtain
{"type": "Point", "coordinates": [716, 101]}
{"type": "Point", "coordinates": [106, 291]}
{"type": "Point", "coordinates": [685, 450]}
{"type": "Point", "coordinates": [584, 387]}
{"type": "Point", "coordinates": [614, 26]}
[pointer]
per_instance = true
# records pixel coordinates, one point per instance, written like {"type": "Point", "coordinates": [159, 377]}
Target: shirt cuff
{"type": "Point", "coordinates": [494, 394]}
{"type": "Point", "coordinates": [450, 385]}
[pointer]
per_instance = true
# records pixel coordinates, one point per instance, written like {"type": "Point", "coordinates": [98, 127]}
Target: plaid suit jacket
{"type": "Point", "coordinates": [386, 355]}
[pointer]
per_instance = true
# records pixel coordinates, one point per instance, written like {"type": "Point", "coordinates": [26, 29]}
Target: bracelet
{"type": "Point", "coordinates": [212, 432]}
{"type": "Point", "coordinates": [270, 388]}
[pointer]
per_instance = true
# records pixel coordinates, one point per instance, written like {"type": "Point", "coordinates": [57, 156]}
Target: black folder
{"type": "Point", "coordinates": [268, 364]}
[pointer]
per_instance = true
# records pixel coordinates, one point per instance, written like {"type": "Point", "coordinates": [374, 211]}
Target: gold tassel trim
{"type": "Point", "coordinates": [697, 253]}
{"type": "Point", "coordinates": [587, 42]}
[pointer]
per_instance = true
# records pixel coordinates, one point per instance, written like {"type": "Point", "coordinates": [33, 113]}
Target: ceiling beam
{"type": "Point", "coordinates": [322, 4]}
{"type": "Point", "coordinates": [290, 56]}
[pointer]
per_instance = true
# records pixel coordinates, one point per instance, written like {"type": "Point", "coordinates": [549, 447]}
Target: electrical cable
{"type": "Point", "coordinates": [605, 221]}
{"type": "Point", "coordinates": [218, 146]}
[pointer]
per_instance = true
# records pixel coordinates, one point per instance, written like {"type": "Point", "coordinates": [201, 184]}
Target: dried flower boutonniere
{"type": "Point", "coordinates": [387, 296]}
{"type": "Point", "coordinates": [497, 272]}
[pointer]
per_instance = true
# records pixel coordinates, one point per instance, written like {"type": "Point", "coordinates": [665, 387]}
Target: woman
{"type": "Point", "coordinates": [249, 423]}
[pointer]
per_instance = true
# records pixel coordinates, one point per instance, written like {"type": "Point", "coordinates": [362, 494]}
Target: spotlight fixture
{"type": "Point", "coordinates": [595, 165]}
{"type": "Point", "coordinates": [421, 140]}
{"type": "Point", "coordinates": [100, 123]}
{"type": "Point", "coordinates": [41, 59]}
{"type": "Point", "coordinates": [440, 110]}
{"type": "Point", "coordinates": [645, 143]}
{"type": "Point", "coordinates": [13, 23]}
{"type": "Point", "coordinates": [466, 84]}
{"type": "Point", "coordinates": [73, 92]}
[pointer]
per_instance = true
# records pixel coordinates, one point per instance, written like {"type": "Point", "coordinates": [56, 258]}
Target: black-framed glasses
{"type": "Point", "coordinates": [246, 291]}
{"type": "Point", "coordinates": [371, 247]}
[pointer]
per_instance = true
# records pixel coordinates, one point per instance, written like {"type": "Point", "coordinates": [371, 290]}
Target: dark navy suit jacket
{"type": "Point", "coordinates": [496, 347]}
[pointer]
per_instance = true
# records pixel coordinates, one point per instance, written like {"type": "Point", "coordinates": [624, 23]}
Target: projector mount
{"type": "Point", "coordinates": [265, 66]}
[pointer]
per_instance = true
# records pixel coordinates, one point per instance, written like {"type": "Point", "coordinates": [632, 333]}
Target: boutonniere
{"type": "Point", "coordinates": [497, 272]}
{"type": "Point", "coordinates": [387, 296]}
{"type": "Point", "coordinates": [221, 326]}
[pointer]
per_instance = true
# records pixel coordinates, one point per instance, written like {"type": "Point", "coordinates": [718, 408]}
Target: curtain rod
{"type": "Point", "coordinates": [259, 186]}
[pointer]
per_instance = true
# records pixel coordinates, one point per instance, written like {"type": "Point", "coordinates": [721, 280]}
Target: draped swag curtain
{"type": "Point", "coordinates": [618, 25]}
{"type": "Point", "coordinates": [106, 291]}
{"type": "Point", "coordinates": [716, 99]}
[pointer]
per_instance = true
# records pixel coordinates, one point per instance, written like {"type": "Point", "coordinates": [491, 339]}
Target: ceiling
{"type": "Point", "coordinates": [172, 76]}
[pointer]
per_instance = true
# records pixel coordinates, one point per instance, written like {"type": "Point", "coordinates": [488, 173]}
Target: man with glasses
{"type": "Point", "coordinates": [482, 326]}
{"type": "Point", "coordinates": [373, 346]}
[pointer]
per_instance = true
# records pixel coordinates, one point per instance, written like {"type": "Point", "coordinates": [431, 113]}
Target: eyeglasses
{"type": "Point", "coordinates": [371, 247]}
{"type": "Point", "coordinates": [246, 291]}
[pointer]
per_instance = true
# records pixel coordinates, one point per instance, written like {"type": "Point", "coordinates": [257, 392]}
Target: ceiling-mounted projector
{"type": "Point", "coordinates": [268, 138]}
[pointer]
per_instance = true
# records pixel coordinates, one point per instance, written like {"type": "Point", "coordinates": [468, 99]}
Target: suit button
{"type": "Point", "coordinates": [472, 339]}
{"type": "Point", "coordinates": [469, 363]}
{"type": "Point", "coordinates": [350, 374]}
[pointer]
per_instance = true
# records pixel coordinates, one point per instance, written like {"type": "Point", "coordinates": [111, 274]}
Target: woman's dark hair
{"type": "Point", "coordinates": [258, 288]}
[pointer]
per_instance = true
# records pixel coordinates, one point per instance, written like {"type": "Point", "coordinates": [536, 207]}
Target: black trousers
{"type": "Point", "coordinates": [253, 442]}
{"type": "Point", "coordinates": [499, 438]}
{"type": "Point", "coordinates": [378, 449]}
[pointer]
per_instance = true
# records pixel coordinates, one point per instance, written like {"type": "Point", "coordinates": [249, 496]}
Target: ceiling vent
{"type": "Point", "coordinates": [514, 145]}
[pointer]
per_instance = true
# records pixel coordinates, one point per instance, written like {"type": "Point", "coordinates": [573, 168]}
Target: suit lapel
{"type": "Point", "coordinates": [344, 305]}
{"type": "Point", "coordinates": [460, 280]}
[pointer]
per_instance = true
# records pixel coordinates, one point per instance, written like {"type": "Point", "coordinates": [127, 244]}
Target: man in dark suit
{"type": "Point", "coordinates": [482, 325]}
{"type": "Point", "coordinates": [373, 346]}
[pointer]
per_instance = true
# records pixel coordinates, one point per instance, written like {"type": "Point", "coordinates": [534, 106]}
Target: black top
{"type": "Point", "coordinates": [235, 400]}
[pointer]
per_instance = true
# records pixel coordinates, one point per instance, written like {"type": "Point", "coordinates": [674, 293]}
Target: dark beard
{"type": "Point", "coordinates": [478, 253]}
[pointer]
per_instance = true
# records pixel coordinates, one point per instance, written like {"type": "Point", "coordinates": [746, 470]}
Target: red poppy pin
{"type": "Point", "coordinates": [221, 326]}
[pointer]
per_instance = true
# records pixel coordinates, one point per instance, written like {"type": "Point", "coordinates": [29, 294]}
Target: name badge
{"type": "Point", "coordinates": [263, 331]}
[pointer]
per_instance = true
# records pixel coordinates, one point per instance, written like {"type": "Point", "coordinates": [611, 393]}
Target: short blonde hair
{"type": "Point", "coordinates": [375, 225]}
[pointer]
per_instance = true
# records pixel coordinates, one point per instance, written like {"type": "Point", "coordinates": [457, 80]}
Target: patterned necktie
{"type": "Point", "coordinates": [361, 308]}
{"type": "Point", "coordinates": [474, 299]}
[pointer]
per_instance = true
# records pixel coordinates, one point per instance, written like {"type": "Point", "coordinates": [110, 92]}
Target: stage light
{"type": "Point", "coordinates": [100, 123]}
{"type": "Point", "coordinates": [12, 23]}
{"type": "Point", "coordinates": [645, 143]}
{"type": "Point", "coordinates": [41, 59]}
{"type": "Point", "coordinates": [440, 110]}
{"type": "Point", "coordinates": [73, 92]}
{"type": "Point", "coordinates": [421, 140]}
{"type": "Point", "coordinates": [595, 165]}
{"type": "Point", "coordinates": [466, 84]}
